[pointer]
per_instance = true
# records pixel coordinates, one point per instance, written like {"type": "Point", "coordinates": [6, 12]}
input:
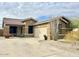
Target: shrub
{"type": "Point", "coordinates": [72, 36]}
{"type": "Point", "coordinates": [74, 24]}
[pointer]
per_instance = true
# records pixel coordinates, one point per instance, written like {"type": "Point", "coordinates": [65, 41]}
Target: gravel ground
{"type": "Point", "coordinates": [32, 47]}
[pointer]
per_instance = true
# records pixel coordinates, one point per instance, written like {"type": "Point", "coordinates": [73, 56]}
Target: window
{"type": "Point", "coordinates": [30, 29]}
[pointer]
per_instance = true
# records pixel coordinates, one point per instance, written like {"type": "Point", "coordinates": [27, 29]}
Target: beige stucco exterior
{"type": "Point", "coordinates": [6, 30]}
{"type": "Point", "coordinates": [53, 28]}
{"type": "Point", "coordinates": [22, 29]}
{"type": "Point", "coordinates": [41, 30]}
{"type": "Point", "coordinates": [27, 24]}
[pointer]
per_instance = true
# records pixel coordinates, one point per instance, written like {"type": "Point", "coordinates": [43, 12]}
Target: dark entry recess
{"type": "Point", "coordinates": [13, 29]}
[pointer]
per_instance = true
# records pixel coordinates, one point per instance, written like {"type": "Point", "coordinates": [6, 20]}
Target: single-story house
{"type": "Point", "coordinates": [53, 28]}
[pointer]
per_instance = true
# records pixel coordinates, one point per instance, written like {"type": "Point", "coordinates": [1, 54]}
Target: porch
{"type": "Point", "coordinates": [14, 30]}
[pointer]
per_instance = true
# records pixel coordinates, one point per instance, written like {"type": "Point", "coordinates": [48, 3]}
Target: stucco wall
{"type": "Point", "coordinates": [1, 32]}
{"type": "Point", "coordinates": [6, 30]}
{"type": "Point", "coordinates": [42, 28]}
{"type": "Point", "coordinates": [25, 28]}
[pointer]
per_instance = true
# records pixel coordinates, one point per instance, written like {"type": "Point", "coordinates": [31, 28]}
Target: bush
{"type": "Point", "coordinates": [72, 36]}
{"type": "Point", "coordinates": [74, 24]}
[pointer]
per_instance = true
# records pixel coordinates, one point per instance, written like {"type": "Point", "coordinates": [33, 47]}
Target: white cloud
{"type": "Point", "coordinates": [23, 9]}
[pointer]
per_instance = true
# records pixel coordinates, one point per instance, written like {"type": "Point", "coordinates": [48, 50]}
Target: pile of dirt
{"type": "Point", "coordinates": [72, 36]}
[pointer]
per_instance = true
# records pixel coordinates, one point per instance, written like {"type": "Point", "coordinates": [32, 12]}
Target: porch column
{"type": "Point", "coordinates": [26, 30]}
{"type": "Point", "coordinates": [23, 30]}
{"type": "Point", "coordinates": [18, 30]}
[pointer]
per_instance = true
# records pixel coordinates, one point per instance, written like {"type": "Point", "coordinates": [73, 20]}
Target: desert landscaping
{"type": "Point", "coordinates": [33, 47]}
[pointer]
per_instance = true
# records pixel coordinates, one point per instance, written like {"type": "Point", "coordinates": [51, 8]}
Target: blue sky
{"type": "Point", "coordinates": [38, 10]}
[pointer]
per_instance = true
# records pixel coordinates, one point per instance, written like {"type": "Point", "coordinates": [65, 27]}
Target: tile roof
{"type": "Point", "coordinates": [12, 21]}
{"type": "Point", "coordinates": [29, 19]}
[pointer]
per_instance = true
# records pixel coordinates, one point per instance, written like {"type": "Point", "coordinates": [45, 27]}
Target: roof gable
{"type": "Point", "coordinates": [28, 19]}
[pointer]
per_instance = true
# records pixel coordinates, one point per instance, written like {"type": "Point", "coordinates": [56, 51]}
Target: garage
{"type": "Point", "coordinates": [41, 31]}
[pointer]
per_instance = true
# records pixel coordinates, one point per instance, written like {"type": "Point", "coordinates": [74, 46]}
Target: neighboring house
{"type": "Point", "coordinates": [52, 29]}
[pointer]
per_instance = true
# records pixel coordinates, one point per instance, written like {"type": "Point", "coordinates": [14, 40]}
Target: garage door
{"type": "Point", "coordinates": [40, 32]}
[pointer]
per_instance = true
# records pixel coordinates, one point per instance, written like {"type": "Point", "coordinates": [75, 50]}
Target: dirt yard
{"type": "Point", "coordinates": [33, 47]}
